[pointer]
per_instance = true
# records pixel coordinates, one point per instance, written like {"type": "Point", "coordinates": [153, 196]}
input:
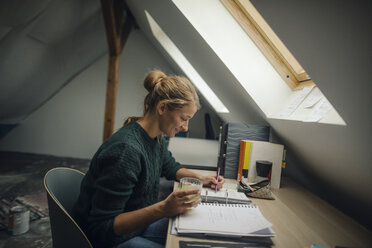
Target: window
{"type": "Point", "coordinates": [265, 74]}
{"type": "Point", "coordinates": [268, 42]}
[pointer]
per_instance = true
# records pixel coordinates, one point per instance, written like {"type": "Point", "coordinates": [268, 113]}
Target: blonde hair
{"type": "Point", "coordinates": [176, 91]}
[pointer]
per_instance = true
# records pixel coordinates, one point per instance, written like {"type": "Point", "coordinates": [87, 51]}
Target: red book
{"type": "Point", "coordinates": [241, 159]}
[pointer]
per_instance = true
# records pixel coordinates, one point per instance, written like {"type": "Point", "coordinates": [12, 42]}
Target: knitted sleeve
{"type": "Point", "coordinates": [170, 166]}
{"type": "Point", "coordinates": [119, 169]}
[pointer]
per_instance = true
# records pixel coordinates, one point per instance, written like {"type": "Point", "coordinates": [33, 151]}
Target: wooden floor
{"type": "Point", "coordinates": [22, 174]}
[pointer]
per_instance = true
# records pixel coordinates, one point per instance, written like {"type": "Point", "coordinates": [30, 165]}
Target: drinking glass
{"type": "Point", "coordinates": [190, 183]}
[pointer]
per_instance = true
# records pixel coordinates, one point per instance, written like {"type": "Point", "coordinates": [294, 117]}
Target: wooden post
{"type": "Point", "coordinates": [117, 34]}
{"type": "Point", "coordinates": [111, 93]}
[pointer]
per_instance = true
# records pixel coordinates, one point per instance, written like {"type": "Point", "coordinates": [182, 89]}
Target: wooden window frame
{"type": "Point", "coordinates": [268, 42]}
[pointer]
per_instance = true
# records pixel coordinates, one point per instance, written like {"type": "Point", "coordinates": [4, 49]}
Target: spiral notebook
{"type": "Point", "coordinates": [225, 220]}
{"type": "Point", "coordinates": [227, 196]}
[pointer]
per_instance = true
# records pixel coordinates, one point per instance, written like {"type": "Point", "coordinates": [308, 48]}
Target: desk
{"type": "Point", "coordinates": [301, 219]}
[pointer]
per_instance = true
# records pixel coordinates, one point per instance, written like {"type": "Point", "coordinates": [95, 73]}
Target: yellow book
{"type": "Point", "coordinates": [247, 157]}
{"type": "Point", "coordinates": [241, 159]}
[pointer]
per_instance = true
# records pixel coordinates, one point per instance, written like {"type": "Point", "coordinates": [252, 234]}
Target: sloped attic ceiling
{"type": "Point", "coordinates": [40, 53]}
{"type": "Point", "coordinates": [43, 44]}
{"type": "Point", "coordinates": [198, 53]}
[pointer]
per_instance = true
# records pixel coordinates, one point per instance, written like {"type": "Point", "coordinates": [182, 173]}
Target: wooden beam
{"type": "Point", "coordinates": [113, 15]}
{"type": "Point", "coordinates": [117, 32]}
{"type": "Point", "coordinates": [111, 95]}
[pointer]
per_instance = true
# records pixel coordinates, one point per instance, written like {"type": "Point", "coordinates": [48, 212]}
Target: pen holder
{"type": "Point", "coordinates": [261, 190]}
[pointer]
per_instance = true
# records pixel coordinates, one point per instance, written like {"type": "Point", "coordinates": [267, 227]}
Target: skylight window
{"type": "Point", "coordinates": [268, 42]}
{"type": "Point", "coordinates": [281, 89]}
{"type": "Point", "coordinates": [185, 65]}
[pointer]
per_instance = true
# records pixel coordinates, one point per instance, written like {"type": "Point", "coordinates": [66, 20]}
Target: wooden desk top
{"type": "Point", "coordinates": [301, 219]}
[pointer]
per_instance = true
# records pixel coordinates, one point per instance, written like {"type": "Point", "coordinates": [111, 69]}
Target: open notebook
{"type": "Point", "coordinates": [225, 220]}
{"type": "Point", "coordinates": [228, 195]}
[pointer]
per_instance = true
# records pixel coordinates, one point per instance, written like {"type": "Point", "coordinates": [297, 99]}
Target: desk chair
{"type": "Point", "coordinates": [63, 187]}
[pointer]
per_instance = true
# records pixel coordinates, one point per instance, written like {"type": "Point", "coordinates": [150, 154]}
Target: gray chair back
{"type": "Point", "coordinates": [63, 187]}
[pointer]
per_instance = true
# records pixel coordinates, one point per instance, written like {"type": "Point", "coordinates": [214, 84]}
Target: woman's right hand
{"type": "Point", "coordinates": [178, 202]}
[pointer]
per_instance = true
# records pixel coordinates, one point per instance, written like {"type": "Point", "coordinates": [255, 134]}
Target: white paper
{"type": "Point", "coordinates": [230, 186]}
{"type": "Point", "coordinates": [224, 193]}
{"type": "Point", "coordinates": [297, 101]}
{"type": "Point", "coordinates": [313, 99]}
{"type": "Point", "coordinates": [239, 220]}
{"type": "Point", "coordinates": [321, 109]}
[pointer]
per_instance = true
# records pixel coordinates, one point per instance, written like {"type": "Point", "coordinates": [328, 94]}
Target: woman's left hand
{"type": "Point", "coordinates": [211, 181]}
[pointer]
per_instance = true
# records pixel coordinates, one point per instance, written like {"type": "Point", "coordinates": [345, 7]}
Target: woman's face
{"type": "Point", "coordinates": [172, 122]}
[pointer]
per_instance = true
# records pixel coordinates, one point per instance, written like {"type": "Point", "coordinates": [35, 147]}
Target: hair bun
{"type": "Point", "coordinates": [152, 79]}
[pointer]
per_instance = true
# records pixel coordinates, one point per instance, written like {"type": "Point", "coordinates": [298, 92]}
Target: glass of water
{"type": "Point", "coordinates": [190, 183]}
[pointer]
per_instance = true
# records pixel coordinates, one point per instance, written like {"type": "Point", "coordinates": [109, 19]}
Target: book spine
{"type": "Point", "coordinates": [247, 156]}
{"type": "Point", "coordinates": [241, 159]}
{"type": "Point", "coordinates": [222, 153]}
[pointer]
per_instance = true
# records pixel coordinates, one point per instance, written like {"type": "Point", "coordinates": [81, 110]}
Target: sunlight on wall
{"type": "Point", "coordinates": [185, 65]}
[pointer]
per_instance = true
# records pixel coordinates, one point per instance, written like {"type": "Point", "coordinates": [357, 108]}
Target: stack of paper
{"type": "Point", "coordinates": [225, 220]}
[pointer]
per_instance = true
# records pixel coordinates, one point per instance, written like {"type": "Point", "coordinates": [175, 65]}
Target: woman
{"type": "Point", "coordinates": [118, 203]}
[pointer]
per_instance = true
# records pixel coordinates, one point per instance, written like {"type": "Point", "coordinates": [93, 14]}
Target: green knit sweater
{"type": "Point", "coordinates": [123, 176]}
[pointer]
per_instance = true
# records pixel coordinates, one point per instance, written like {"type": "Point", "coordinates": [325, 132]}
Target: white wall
{"type": "Point", "coordinates": [330, 40]}
{"type": "Point", "coordinates": [71, 123]}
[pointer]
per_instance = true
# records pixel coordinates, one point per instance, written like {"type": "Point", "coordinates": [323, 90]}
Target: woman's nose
{"type": "Point", "coordinates": [185, 126]}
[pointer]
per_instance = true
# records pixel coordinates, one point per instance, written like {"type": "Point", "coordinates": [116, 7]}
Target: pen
{"type": "Point", "coordinates": [245, 186]}
{"type": "Point", "coordinates": [218, 175]}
